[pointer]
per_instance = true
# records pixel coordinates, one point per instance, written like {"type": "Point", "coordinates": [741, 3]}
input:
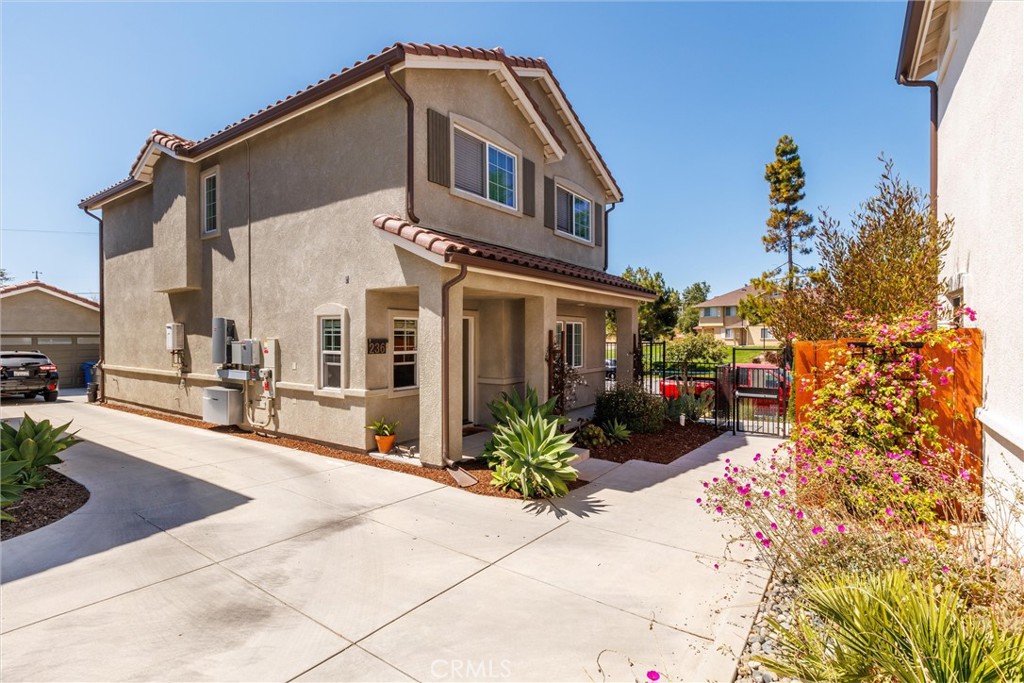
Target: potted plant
{"type": "Point", "coordinates": [384, 434]}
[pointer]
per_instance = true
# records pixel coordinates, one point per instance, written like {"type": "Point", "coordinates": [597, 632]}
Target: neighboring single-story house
{"type": "Point", "coordinates": [970, 57]}
{"type": "Point", "coordinates": [720, 317]}
{"type": "Point", "coordinates": [36, 316]}
{"type": "Point", "coordinates": [402, 240]}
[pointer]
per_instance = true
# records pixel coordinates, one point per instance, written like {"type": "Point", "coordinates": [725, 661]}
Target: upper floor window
{"type": "Point", "coordinates": [210, 201]}
{"type": "Point", "coordinates": [731, 310]}
{"type": "Point", "coordinates": [573, 215]}
{"type": "Point", "coordinates": [485, 169]}
{"type": "Point", "coordinates": [711, 311]}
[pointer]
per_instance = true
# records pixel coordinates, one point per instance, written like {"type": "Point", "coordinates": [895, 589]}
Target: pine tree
{"type": "Point", "coordinates": [790, 228]}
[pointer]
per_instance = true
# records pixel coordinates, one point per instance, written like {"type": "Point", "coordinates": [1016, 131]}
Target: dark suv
{"type": "Point", "coordinates": [29, 373]}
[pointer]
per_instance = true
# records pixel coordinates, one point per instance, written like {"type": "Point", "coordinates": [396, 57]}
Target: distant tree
{"type": "Point", "coordinates": [691, 296]}
{"type": "Point", "coordinates": [4, 277]}
{"type": "Point", "coordinates": [696, 348]}
{"type": "Point", "coordinates": [790, 228]}
{"type": "Point", "coordinates": [885, 266]}
{"type": "Point", "coordinates": [657, 319]}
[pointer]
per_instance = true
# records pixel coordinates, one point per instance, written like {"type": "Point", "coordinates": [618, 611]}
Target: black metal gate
{"type": "Point", "coordinates": [753, 398]}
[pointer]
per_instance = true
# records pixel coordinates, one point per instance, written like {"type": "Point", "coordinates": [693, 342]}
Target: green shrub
{"type": "Point", "coordinates": [696, 348]}
{"type": "Point", "coordinates": [24, 454]}
{"type": "Point", "coordinates": [590, 436]}
{"type": "Point", "coordinates": [617, 432]}
{"type": "Point", "coordinates": [510, 405]}
{"type": "Point", "coordinates": [695, 406]}
{"type": "Point", "coordinates": [673, 408]}
{"type": "Point", "coordinates": [638, 410]}
{"type": "Point", "coordinates": [532, 457]}
{"type": "Point", "coordinates": [893, 628]}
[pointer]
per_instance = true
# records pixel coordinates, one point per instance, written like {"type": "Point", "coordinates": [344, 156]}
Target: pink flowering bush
{"type": "Point", "coordinates": [866, 482]}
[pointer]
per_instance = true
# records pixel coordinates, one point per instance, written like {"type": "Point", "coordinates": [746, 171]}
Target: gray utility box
{"type": "Point", "coordinates": [223, 406]}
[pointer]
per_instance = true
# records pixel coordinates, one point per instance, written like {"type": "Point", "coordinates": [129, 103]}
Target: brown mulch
{"type": "Point", "coordinates": [36, 508]}
{"type": "Point", "coordinates": [663, 447]}
{"type": "Point", "coordinates": [477, 469]}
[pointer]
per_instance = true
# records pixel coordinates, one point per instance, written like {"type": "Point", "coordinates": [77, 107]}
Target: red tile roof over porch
{"type": "Point", "coordinates": [472, 252]}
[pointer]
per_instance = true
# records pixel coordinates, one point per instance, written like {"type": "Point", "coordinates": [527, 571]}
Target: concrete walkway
{"type": "Point", "coordinates": [201, 556]}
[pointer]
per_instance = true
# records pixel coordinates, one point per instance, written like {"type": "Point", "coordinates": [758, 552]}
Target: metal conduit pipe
{"type": "Point", "coordinates": [103, 335]}
{"type": "Point", "coordinates": [410, 112]}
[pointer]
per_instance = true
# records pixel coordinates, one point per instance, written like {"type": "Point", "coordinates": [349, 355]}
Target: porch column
{"type": "Point", "coordinates": [539, 318]}
{"type": "Point", "coordinates": [626, 325]}
{"type": "Point", "coordinates": [430, 375]}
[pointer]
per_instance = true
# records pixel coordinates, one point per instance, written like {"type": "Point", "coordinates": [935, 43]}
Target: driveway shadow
{"type": "Point", "coordinates": [120, 485]}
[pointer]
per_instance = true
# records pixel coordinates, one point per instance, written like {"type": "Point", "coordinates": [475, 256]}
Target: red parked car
{"type": "Point", "coordinates": [672, 387]}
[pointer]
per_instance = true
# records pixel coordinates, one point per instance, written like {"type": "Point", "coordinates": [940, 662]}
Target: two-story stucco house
{"type": "Point", "coordinates": [970, 56]}
{"type": "Point", "coordinates": [405, 236]}
{"type": "Point", "coordinates": [720, 317]}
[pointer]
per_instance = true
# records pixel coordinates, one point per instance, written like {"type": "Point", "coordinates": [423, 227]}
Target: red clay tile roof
{"type": "Point", "coordinates": [361, 69]}
{"type": "Point", "coordinates": [39, 284]}
{"type": "Point", "coordinates": [474, 252]}
{"type": "Point", "coordinates": [175, 143]}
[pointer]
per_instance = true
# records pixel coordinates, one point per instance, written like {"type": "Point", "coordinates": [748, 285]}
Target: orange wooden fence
{"type": "Point", "coordinates": [954, 403]}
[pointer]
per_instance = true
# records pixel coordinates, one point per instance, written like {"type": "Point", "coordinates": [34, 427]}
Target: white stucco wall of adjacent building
{"type": "Point", "coordinates": [981, 185]}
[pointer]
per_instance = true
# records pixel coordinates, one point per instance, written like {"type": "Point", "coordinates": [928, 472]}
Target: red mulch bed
{"type": "Point", "coordinates": [36, 508]}
{"type": "Point", "coordinates": [663, 447]}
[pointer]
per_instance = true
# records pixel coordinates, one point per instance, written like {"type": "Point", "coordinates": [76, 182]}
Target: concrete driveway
{"type": "Point", "coordinates": [201, 556]}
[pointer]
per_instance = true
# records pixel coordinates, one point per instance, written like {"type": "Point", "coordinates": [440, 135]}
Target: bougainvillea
{"type": "Point", "coordinates": [866, 481]}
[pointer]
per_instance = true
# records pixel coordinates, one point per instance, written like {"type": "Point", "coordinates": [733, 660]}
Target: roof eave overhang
{"type": "Point", "coordinates": [125, 187]}
{"type": "Point", "coordinates": [547, 276]}
{"type": "Point", "coordinates": [912, 24]}
{"type": "Point", "coordinates": [509, 79]}
{"type": "Point", "coordinates": [561, 103]}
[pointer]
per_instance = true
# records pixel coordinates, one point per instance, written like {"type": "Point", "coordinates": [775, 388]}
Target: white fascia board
{"type": "Point", "coordinates": [94, 307]}
{"type": "Point", "coordinates": [563, 104]}
{"type": "Point", "coordinates": [494, 66]}
{"type": "Point", "coordinates": [154, 149]}
{"type": "Point", "coordinates": [413, 248]}
{"type": "Point", "coordinates": [1002, 426]}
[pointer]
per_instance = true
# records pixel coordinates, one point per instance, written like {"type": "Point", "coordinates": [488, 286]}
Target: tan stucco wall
{"type": "Point", "coordinates": [980, 169]}
{"type": "Point", "coordinates": [316, 183]}
{"type": "Point", "coordinates": [477, 95]}
{"type": "Point", "coordinates": [39, 313]}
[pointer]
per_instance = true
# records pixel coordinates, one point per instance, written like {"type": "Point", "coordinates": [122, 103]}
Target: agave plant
{"type": "Point", "coordinates": [532, 457]}
{"type": "Point", "coordinates": [24, 454]}
{"type": "Point", "coordinates": [617, 431]}
{"type": "Point", "coordinates": [890, 627]}
{"type": "Point", "coordinates": [35, 445]}
{"type": "Point", "coordinates": [510, 405]}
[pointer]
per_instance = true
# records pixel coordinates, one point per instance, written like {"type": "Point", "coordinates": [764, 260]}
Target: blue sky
{"type": "Point", "coordinates": [685, 101]}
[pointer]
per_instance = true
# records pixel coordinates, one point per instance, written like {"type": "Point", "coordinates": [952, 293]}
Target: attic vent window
{"type": "Point", "coordinates": [484, 169]}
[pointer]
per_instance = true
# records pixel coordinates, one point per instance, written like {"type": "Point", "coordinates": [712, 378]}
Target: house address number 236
{"type": "Point", "coordinates": [376, 346]}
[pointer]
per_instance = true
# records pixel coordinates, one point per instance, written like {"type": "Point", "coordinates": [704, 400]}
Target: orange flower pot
{"type": "Point", "coordinates": [385, 443]}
